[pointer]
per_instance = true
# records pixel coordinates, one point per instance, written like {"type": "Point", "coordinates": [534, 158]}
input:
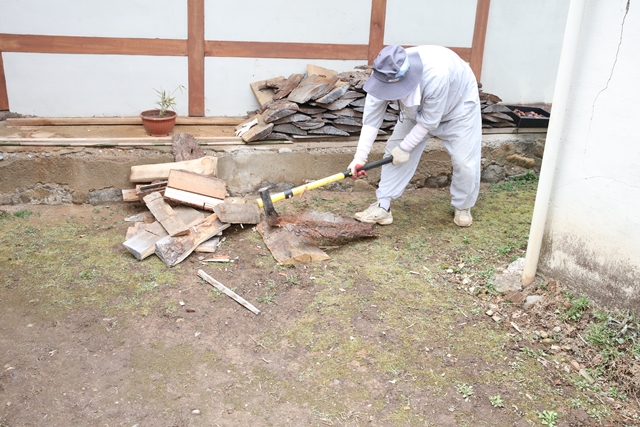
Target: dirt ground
{"type": "Point", "coordinates": [405, 329]}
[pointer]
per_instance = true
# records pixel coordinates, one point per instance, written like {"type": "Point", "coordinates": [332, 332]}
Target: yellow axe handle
{"type": "Point", "coordinates": [322, 182]}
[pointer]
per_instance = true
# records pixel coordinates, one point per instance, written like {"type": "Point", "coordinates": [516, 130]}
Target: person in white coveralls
{"type": "Point", "coordinates": [438, 96]}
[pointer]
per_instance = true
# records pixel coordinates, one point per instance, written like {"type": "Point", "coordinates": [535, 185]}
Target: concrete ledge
{"type": "Point", "coordinates": [56, 175]}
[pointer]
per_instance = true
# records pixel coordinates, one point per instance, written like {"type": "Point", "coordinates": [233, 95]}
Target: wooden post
{"type": "Point", "coordinates": [376, 29]}
{"type": "Point", "coordinates": [479, 36]}
{"type": "Point", "coordinates": [195, 46]}
{"type": "Point", "coordinates": [4, 96]}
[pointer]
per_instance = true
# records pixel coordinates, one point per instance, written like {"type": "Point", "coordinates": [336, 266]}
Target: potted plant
{"type": "Point", "coordinates": [160, 122]}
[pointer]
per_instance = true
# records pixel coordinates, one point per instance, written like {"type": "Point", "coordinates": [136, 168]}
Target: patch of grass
{"type": "Point", "coordinates": [578, 307]}
{"type": "Point", "coordinates": [548, 418]}
{"type": "Point", "coordinates": [496, 401]}
{"type": "Point", "coordinates": [465, 390]}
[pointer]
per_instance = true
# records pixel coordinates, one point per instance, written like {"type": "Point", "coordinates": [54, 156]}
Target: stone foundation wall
{"type": "Point", "coordinates": [38, 175]}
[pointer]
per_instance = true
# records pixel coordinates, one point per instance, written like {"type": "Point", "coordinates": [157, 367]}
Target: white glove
{"type": "Point", "coordinates": [352, 166]}
{"type": "Point", "coordinates": [400, 156]}
{"type": "Point", "coordinates": [246, 126]}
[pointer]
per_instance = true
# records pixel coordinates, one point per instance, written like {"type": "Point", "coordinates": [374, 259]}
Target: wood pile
{"type": "Point", "coordinates": [494, 114]}
{"type": "Point", "coordinates": [188, 209]}
{"type": "Point", "coordinates": [322, 103]}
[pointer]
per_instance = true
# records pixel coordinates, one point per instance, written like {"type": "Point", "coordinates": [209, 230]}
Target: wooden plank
{"type": "Point", "coordinates": [160, 171]}
{"type": "Point", "coordinates": [329, 130]}
{"type": "Point", "coordinates": [279, 109]}
{"type": "Point", "coordinates": [173, 250]}
{"type": "Point", "coordinates": [213, 282]}
{"type": "Point", "coordinates": [143, 244]}
{"type": "Point", "coordinates": [376, 29]}
{"type": "Point", "coordinates": [338, 104]}
{"type": "Point", "coordinates": [145, 190]}
{"type": "Point", "coordinates": [287, 248]}
{"type": "Point", "coordinates": [241, 49]}
{"type": "Point", "coordinates": [320, 71]}
{"type": "Point", "coordinates": [290, 84]}
{"type": "Point", "coordinates": [191, 199]}
{"type": "Point", "coordinates": [129, 195]}
{"type": "Point", "coordinates": [92, 45]}
{"type": "Point", "coordinates": [338, 91]}
{"type": "Point", "coordinates": [257, 132]}
{"type": "Point", "coordinates": [479, 37]}
{"type": "Point", "coordinates": [165, 214]}
{"type": "Point", "coordinates": [195, 49]}
{"type": "Point", "coordinates": [262, 94]}
{"type": "Point", "coordinates": [289, 128]}
{"type": "Point", "coordinates": [238, 213]}
{"type": "Point", "coordinates": [197, 183]}
{"type": "Point", "coordinates": [209, 247]}
{"type": "Point", "coordinates": [311, 88]}
{"type": "Point", "coordinates": [4, 96]}
{"type": "Point", "coordinates": [96, 121]}
{"type": "Point", "coordinates": [136, 228]}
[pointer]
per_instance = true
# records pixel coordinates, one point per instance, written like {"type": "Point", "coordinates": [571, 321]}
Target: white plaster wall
{"type": "Point", "coordinates": [596, 194]}
{"type": "Point", "coordinates": [57, 85]}
{"type": "Point", "coordinates": [235, 97]}
{"type": "Point", "coordinates": [446, 23]}
{"type": "Point", "coordinates": [522, 49]}
{"type": "Point", "coordinates": [328, 21]}
{"type": "Point", "coordinates": [113, 18]}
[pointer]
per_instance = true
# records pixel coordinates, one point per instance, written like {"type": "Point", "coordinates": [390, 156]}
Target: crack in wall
{"type": "Point", "coordinates": [606, 86]}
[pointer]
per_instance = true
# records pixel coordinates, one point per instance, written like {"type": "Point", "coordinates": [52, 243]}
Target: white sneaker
{"type": "Point", "coordinates": [463, 217]}
{"type": "Point", "coordinates": [375, 214]}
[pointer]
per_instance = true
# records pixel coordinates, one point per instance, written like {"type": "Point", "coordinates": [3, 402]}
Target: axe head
{"type": "Point", "coordinates": [269, 211]}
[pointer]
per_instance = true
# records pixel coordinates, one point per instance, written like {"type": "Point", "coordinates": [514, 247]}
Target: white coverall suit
{"type": "Point", "coordinates": [445, 105]}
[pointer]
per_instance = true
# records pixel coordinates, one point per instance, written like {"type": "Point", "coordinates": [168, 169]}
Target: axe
{"type": "Point", "coordinates": [267, 200]}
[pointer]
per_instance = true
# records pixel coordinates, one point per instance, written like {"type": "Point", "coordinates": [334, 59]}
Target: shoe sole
{"type": "Point", "coordinates": [373, 221]}
{"type": "Point", "coordinates": [461, 225]}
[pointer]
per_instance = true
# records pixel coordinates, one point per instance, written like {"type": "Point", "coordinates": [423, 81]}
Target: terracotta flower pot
{"type": "Point", "coordinates": [158, 126]}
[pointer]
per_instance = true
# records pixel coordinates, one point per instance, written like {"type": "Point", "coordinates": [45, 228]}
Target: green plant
{"type": "Point", "coordinates": [24, 213]}
{"type": "Point", "coordinates": [496, 401]}
{"type": "Point", "coordinates": [167, 100]}
{"type": "Point", "coordinates": [548, 418]}
{"type": "Point", "coordinates": [578, 307]}
{"type": "Point", "coordinates": [465, 390]}
{"type": "Point", "coordinates": [267, 298]}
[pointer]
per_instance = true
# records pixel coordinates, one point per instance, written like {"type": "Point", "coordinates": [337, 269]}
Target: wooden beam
{"type": "Point", "coordinates": [284, 50]}
{"type": "Point", "coordinates": [376, 29]}
{"type": "Point", "coordinates": [479, 36]}
{"type": "Point", "coordinates": [154, 171]}
{"type": "Point", "coordinates": [213, 282]}
{"type": "Point", "coordinates": [195, 45]}
{"type": "Point", "coordinates": [92, 45]}
{"type": "Point", "coordinates": [4, 96]}
{"type": "Point", "coordinates": [173, 250]}
{"type": "Point", "coordinates": [95, 121]}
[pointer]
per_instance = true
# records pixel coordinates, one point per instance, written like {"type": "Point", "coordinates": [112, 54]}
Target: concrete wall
{"type": "Point", "coordinates": [46, 175]}
{"type": "Point", "coordinates": [592, 237]}
{"type": "Point", "coordinates": [520, 61]}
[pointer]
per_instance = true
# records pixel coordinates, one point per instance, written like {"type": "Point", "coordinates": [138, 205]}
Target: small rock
{"type": "Point", "coordinates": [547, 341]}
{"type": "Point", "coordinates": [489, 313]}
{"type": "Point", "coordinates": [544, 334]}
{"type": "Point", "coordinates": [531, 301]}
{"type": "Point", "coordinates": [557, 329]}
{"type": "Point", "coordinates": [196, 412]}
{"type": "Point", "coordinates": [496, 318]}
{"type": "Point", "coordinates": [555, 348]}
{"type": "Point", "coordinates": [285, 150]}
